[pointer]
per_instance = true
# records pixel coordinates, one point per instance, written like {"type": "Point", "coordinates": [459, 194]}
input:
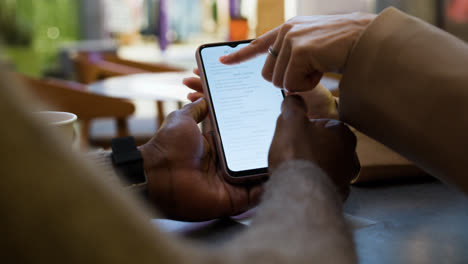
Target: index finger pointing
{"type": "Point", "coordinates": [257, 46]}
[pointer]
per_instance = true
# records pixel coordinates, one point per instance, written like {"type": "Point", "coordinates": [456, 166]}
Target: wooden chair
{"type": "Point", "coordinates": [73, 97]}
{"type": "Point", "coordinates": [91, 67]}
{"type": "Point", "coordinates": [94, 66]}
{"type": "Point", "coordinates": [150, 67]}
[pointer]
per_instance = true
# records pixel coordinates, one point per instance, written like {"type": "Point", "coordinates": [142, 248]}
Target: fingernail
{"type": "Point", "coordinates": [223, 59]}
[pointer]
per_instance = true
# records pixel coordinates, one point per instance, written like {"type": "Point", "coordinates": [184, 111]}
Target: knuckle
{"type": "Point", "coordinates": [290, 81]}
{"type": "Point", "coordinates": [258, 42]}
{"type": "Point", "coordinates": [277, 83]}
{"type": "Point", "coordinates": [299, 51]}
{"type": "Point", "coordinates": [286, 27]}
{"type": "Point", "coordinates": [288, 40]}
{"type": "Point", "coordinates": [289, 36]}
{"type": "Point", "coordinates": [278, 80]}
{"type": "Point", "coordinates": [174, 114]}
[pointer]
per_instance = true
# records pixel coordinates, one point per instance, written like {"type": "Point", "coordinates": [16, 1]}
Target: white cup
{"type": "Point", "coordinates": [63, 122]}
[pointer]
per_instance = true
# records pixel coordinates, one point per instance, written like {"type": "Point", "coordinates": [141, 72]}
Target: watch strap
{"type": "Point", "coordinates": [127, 159]}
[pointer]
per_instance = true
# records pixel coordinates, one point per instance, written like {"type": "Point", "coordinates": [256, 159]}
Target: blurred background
{"type": "Point", "coordinates": [35, 32]}
{"type": "Point", "coordinates": [89, 41]}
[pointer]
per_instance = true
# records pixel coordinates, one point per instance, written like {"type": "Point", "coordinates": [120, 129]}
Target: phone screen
{"type": "Point", "coordinates": [245, 108]}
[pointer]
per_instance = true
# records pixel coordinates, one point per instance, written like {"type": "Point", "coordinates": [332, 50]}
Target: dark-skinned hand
{"type": "Point", "coordinates": [184, 179]}
{"type": "Point", "coordinates": [330, 144]}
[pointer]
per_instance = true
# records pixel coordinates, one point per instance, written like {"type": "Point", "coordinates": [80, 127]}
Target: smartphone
{"type": "Point", "coordinates": [243, 109]}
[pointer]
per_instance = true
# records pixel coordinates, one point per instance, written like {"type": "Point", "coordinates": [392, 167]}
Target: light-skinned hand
{"type": "Point", "coordinates": [307, 47]}
{"type": "Point", "coordinates": [320, 102]}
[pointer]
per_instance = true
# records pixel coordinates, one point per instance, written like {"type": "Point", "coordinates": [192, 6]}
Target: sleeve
{"type": "Point", "coordinates": [57, 209]}
{"type": "Point", "coordinates": [300, 221]}
{"type": "Point", "coordinates": [102, 160]}
{"type": "Point", "coordinates": [406, 85]}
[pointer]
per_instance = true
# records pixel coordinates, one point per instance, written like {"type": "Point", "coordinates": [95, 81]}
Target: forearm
{"type": "Point", "coordinates": [300, 220]}
{"type": "Point", "coordinates": [406, 85]}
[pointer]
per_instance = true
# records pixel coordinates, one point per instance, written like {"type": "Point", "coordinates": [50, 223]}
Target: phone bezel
{"type": "Point", "coordinates": [236, 176]}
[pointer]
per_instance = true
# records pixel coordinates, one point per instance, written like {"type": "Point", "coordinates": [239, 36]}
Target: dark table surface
{"type": "Point", "coordinates": [404, 222]}
{"type": "Point", "coordinates": [415, 223]}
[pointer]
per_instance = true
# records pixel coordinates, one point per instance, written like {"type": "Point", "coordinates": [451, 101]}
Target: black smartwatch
{"type": "Point", "coordinates": [127, 159]}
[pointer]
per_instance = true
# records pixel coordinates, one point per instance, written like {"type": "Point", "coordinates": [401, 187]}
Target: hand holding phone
{"type": "Point", "coordinates": [243, 109]}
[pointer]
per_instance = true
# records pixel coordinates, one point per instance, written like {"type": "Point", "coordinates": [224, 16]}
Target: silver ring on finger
{"type": "Point", "coordinates": [273, 52]}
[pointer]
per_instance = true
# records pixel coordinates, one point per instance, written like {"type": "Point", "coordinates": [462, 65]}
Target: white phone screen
{"type": "Point", "coordinates": [245, 105]}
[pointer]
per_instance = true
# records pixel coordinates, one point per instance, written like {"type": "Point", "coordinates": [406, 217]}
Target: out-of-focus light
{"type": "Point", "coordinates": [457, 11]}
{"type": "Point", "coordinates": [53, 32]}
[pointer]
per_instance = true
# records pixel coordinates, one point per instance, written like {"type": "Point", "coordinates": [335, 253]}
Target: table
{"type": "Point", "coordinates": [165, 86]}
{"type": "Point", "coordinates": [403, 222]}
{"type": "Point", "coordinates": [178, 55]}
{"type": "Point", "coordinates": [143, 89]}
{"type": "Point", "coordinates": [416, 223]}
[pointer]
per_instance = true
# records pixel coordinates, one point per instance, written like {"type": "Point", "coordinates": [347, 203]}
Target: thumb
{"type": "Point", "coordinates": [293, 107]}
{"type": "Point", "coordinates": [290, 129]}
{"type": "Point", "coordinates": [196, 110]}
{"type": "Point", "coordinates": [293, 116]}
